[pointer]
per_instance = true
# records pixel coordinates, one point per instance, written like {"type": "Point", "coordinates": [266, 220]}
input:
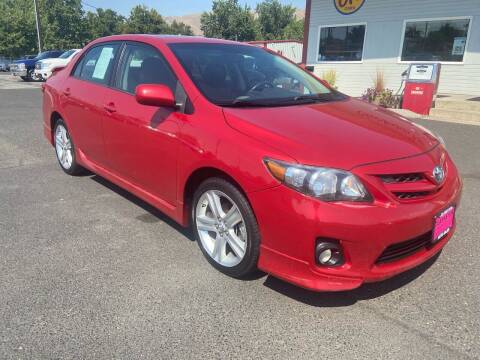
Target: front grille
{"type": "Point", "coordinates": [401, 250]}
{"type": "Point", "coordinates": [409, 186]}
{"type": "Point", "coordinates": [402, 178]}
{"type": "Point", "coordinates": [411, 195]}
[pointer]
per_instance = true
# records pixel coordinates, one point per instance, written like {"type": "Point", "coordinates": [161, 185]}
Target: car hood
{"type": "Point", "coordinates": [341, 134]}
{"type": "Point", "coordinates": [55, 61]}
{"type": "Point", "coordinates": [26, 61]}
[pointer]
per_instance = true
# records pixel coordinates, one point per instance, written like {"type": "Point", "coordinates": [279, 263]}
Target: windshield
{"type": "Point", "coordinates": [241, 75]}
{"type": "Point", "coordinates": [66, 54]}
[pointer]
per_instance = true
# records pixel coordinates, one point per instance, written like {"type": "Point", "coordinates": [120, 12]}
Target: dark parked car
{"type": "Point", "coordinates": [25, 67]}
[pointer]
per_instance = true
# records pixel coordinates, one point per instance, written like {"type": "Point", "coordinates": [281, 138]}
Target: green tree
{"type": "Point", "coordinates": [104, 23]}
{"type": "Point", "coordinates": [179, 28]}
{"type": "Point", "coordinates": [62, 24]}
{"type": "Point", "coordinates": [274, 18]}
{"type": "Point", "coordinates": [143, 20]}
{"type": "Point", "coordinates": [294, 30]}
{"type": "Point", "coordinates": [229, 20]}
{"type": "Point", "coordinates": [17, 28]}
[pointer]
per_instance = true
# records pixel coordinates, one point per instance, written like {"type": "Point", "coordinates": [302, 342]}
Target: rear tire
{"type": "Point", "coordinates": [227, 231]}
{"type": "Point", "coordinates": [65, 149]}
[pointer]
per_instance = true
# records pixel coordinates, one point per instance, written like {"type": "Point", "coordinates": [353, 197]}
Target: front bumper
{"type": "Point", "coordinates": [289, 233]}
{"type": "Point", "coordinates": [18, 72]}
{"type": "Point", "coordinates": [42, 74]}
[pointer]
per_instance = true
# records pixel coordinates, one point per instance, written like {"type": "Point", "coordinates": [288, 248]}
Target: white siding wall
{"type": "Point", "coordinates": [291, 50]}
{"type": "Point", "coordinates": [385, 20]}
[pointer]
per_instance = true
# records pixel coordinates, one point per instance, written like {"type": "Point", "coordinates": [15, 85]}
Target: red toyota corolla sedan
{"type": "Point", "coordinates": [271, 167]}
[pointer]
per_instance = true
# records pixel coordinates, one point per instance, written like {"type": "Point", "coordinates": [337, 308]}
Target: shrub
{"type": "Point", "coordinates": [379, 81]}
{"type": "Point", "coordinates": [330, 76]}
{"type": "Point", "coordinates": [387, 99]}
{"type": "Point", "coordinates": [384, 98]}
{"type": "Point", "coordinates": [370, 95]}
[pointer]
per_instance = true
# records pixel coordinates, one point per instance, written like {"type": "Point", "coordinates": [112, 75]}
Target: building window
{"type": "Point", "coordinates": [435, 40]}
{"type": "Point", "coordinates": [341, 43]}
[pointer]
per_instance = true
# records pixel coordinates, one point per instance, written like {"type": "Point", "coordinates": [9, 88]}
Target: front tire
{"type": "Point", "coordinates": [65, 149]}
{"type": "Point", "coordinates": [226, 228]}
{"type": "Point", "coordinates": [30, 75]}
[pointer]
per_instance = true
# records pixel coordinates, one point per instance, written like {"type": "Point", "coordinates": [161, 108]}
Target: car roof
{"type": "Point", "coordinates": [166, 39]}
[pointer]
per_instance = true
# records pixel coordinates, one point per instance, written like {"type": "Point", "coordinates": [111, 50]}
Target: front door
{"type": "Point", "coordinates": [141, 141]}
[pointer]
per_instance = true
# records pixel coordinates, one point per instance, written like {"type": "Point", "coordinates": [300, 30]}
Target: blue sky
{"type": "Point", "coordinates": [171, 7]}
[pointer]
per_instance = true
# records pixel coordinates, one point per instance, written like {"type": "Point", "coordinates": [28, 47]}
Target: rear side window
{"type": "Point", "coordinates": [97, 64]}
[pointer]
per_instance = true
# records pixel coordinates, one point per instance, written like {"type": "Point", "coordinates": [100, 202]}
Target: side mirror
{"type": "Point", "coordinates": [155, 95]}
{"type": "Point", "coordinates": [57, 68]}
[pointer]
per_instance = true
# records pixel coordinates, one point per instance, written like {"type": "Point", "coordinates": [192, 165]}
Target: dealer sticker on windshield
{"type": "Point", "coordinates": [443, 224]}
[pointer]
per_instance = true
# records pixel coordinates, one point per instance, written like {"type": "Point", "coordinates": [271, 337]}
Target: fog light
{"type": "Point", "coordinates": [325, 256]}
{"type": "Point", "coordinates": [329, 253]}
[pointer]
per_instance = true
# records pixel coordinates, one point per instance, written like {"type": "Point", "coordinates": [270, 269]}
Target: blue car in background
{"type": "Point", "coordinates": [25, 68]}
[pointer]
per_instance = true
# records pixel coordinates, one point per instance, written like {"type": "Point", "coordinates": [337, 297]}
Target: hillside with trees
{"type": "Point", "coordinates": [65, 24]}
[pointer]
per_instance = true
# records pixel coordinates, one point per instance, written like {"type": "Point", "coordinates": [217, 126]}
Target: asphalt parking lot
{"type": "Point", "coordinates": [88, 271]}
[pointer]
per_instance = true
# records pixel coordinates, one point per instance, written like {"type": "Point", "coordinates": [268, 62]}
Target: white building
{"type": "Point", "coordinates": [357, 38]}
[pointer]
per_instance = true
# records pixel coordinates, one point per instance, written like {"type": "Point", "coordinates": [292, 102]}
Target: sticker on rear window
{"type": "Point", "coordinates": [102, 63]}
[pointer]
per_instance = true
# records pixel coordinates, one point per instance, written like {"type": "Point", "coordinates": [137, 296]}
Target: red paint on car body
{"type": "Point", "coordinates": [155, 152]}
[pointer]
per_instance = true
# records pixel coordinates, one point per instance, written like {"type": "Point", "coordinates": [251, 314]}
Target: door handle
{"type": "Point", "coordinates": [110, 107]}
{"type": "Point", "coordinates": [66, 92]}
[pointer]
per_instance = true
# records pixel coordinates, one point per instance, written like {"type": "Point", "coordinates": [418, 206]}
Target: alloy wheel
{"type": "Point", "coordinates": [221, 228]}
{"type": "Point", "coordinates": [63, 147]}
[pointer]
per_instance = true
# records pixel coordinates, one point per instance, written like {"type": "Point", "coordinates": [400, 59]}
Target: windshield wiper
{"type": "Point", "coordinates": [270, 103]}
{"type": "Point", "coordinates": [300, 99]}
{"type": "Point", "coordinates": [248, 102]}
{"type": "Point", "coordinates": [314, 97]}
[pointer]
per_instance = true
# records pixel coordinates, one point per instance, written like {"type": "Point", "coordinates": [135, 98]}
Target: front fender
{"type": "Point", "coordinates": [207, 141]}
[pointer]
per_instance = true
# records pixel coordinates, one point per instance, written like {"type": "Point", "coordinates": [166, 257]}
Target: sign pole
{"type": "Point", "coordinates": [37, 20]}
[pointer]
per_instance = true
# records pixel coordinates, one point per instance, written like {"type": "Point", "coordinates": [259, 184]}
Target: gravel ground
{"type": "Point", "coordinates": [88, 271]}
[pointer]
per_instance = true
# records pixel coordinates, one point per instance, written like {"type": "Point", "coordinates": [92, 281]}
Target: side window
{"type": "Point", "coordinates": [97, 64]}
{"type": "Point", "coordinates": [144, 65]}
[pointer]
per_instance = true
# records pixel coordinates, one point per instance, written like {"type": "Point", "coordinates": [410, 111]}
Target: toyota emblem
{"type": "Point", "coordinates": [438, 174]}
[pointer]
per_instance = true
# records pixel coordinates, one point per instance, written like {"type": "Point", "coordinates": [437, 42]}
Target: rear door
{"type": "Point", "coordinates": [84, 96]}
{"type": "Point", "coordinates": [141, 140]}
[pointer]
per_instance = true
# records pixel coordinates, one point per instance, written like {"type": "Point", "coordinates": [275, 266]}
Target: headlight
{"type": "Point", "coordinates": [21, 66]}
{"type": "Point", "coordinates": [322, 183]}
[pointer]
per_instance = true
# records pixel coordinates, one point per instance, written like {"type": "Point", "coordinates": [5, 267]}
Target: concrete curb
{"type": "Point", "coordinates": [411, 115]}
